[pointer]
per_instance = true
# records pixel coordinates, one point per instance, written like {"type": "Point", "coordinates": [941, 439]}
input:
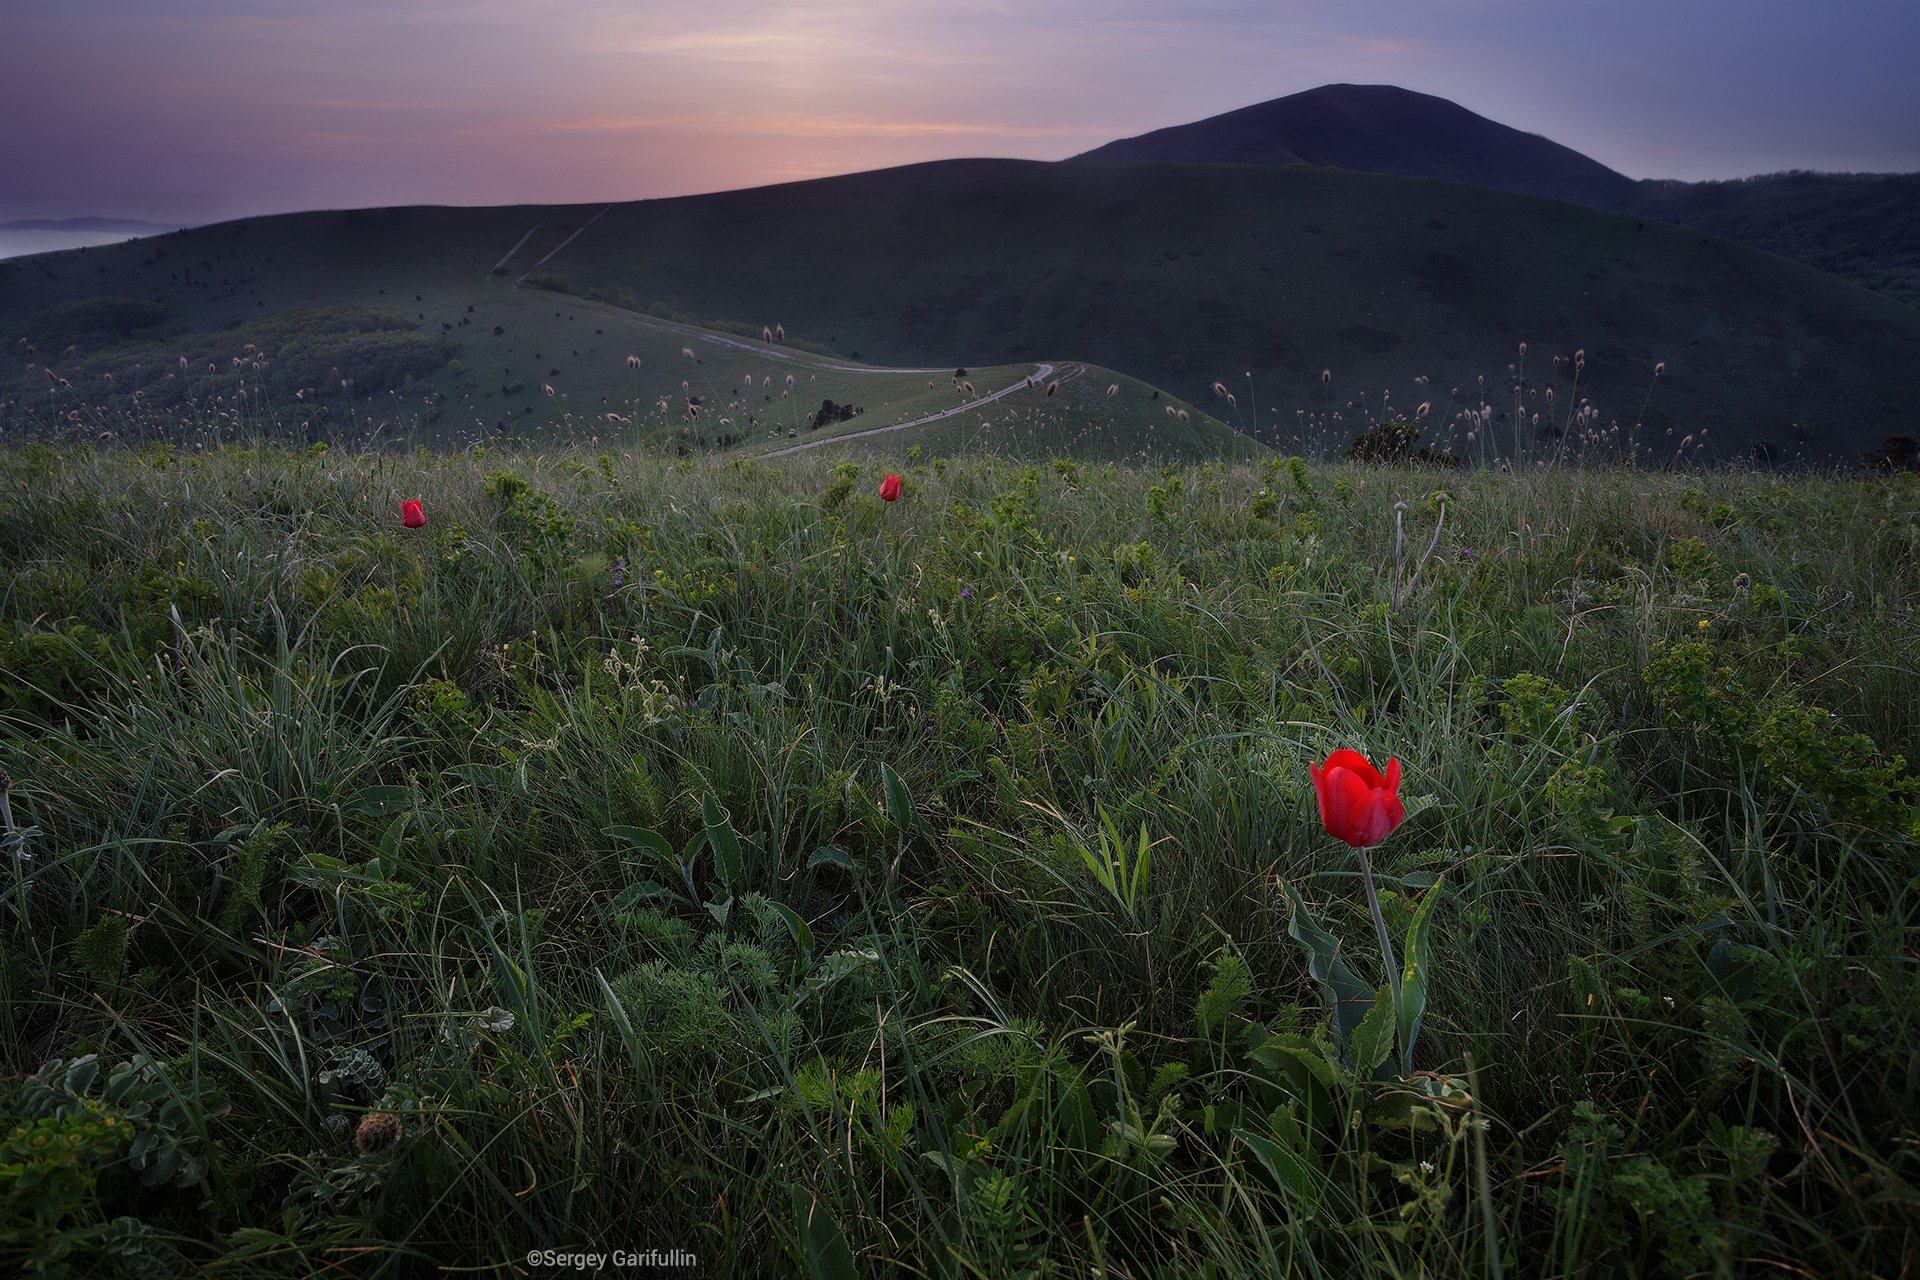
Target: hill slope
{"type": "Point", "coordinates": [1371, 128]}
{"type": "Point", "coordinates": [1181, 275]}
{"type": "Point", "coordinates": [1864, 227]}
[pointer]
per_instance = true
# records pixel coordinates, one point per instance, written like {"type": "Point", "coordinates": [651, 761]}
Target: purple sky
{"type": "Point", "coordinates": [197, 110]}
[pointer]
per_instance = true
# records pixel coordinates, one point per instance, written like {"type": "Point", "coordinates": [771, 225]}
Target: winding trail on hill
{"type": "Point", "coordinates": [1038, 376]}
{"type": "Point", "coordinates": [563, 244]}
{"type": "Point", "coordinates": [516, 247]}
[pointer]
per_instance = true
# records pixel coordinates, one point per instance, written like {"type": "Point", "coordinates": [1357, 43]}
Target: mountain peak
{"type": "Point", "coordinates": [1377, 128]}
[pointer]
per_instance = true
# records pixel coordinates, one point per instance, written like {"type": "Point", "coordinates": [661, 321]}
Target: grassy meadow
{"type": "Point", "coordinates": [701, 854]}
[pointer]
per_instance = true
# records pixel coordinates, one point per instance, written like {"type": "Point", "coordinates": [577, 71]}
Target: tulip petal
{"type": "Point", "coordinates": [1349, 759]}
{"type": "Point", "coordinates": [1383, 813]}
{"type": "Point", "coordinates": [1348, 800]}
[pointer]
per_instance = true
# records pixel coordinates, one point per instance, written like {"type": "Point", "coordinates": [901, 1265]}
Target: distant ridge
{"type": "Point", "coordinates": [1374, 128]}
{"type": "Point", "coordinates": [1862, 226]}
{"type": "Point", "coordinates": [131, 226]}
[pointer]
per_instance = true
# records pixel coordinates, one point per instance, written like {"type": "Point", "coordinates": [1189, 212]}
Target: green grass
{"type": "Point", "coordinates": [1175, 275]}
{"type": "Point", "coordinates": [528, 366]}
{"type": "Point", "coordinates": [783, 901]}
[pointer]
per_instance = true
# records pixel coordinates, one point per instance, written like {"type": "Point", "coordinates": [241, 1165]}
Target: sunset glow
{"type": "Point", "coordinates": [191, 110]}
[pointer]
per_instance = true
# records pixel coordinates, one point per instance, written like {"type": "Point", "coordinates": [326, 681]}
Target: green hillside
{"type": "Point", "coordinates": [531, 366]}
{"type": "Point", "coordinates": [1180, 276]}
{"type": "Point", "coordinates": [1863, 226]}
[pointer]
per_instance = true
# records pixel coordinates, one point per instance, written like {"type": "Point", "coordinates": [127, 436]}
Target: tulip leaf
{"type": "Point", "coordinates": [1348, 999]}
{"type": "Point", "coordinates": [726, 845]}
{"type": "Point", "coordinates": [1413, 980]}
{"type": "Point", "coordinates": [1372, 1042]}
{"type": "Point", "coordinates": [899, 803]}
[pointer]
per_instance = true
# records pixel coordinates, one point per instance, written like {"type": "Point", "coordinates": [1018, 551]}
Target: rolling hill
{"type": "Point", "coordinates": [1259, 278]}
{"type": "Point", "coordinates": [1380, 129]}
{"type": "Point", "coordinates": [1865, 227]}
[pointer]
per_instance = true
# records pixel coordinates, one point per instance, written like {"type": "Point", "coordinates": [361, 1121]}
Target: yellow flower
{"type": "Point", "coordinates": [1705, 623]}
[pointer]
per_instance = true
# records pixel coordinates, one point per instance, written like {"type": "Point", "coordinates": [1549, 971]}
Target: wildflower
{"type": "Point", "coordinates": [1705, 623]}
{"type": "Point", "coordinates": [890, 489]}
{"type": "Point", "coordinates": [966, 593]}
{"type": "Point", "coordinates": [411, 515]}
{"type": "Point", "coordinates": [619, 573]}
{"type": "Point", "coordinates": [1358, 804]}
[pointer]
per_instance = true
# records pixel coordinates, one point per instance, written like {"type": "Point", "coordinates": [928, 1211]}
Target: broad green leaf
{"type": "Point", "coordinates": [899, 802]}
{"type": "Point", "coordinates": [1413, 978]}
{"type": "Point", "coordinates": [480, 776]}
{"type": "Point", "coordinates": [648, 842]}
{"type": "Point", "coordinates": [1287, 1168]}
{"type": "Point", "coordinates": [824, 1254]}
{"type": "Point", "coordinates": [1298, 1061]}
{"type": "Point", "coordinates": [1372, 1042]}
{"type": "Point", "coordinates": [802, 936]}
{"type": "Point", "coordinates": [635, 894]}
{"type": "Point", "coordinates": [726, 846]}
{"type": "Point", "coordinates": [1348, 999]}
{"type": "Point", "coordinates": [380, 802]}
{"type": "Point", "coordinates": [828, 856]}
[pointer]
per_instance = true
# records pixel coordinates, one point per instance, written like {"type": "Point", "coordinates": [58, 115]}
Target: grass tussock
{"type": "Point", "coordinates": [707, 856]}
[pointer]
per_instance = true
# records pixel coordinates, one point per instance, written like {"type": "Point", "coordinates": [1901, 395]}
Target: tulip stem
{"type": "Point", "coordinates": [1386, 958]}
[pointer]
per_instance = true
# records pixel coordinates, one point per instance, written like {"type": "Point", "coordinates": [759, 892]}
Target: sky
{"type": "Point", "coordinates": [188, 111]}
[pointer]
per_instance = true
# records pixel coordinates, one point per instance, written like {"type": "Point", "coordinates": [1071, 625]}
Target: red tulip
{"type": "Point", "coordinates": [411, 515]}
{"type": "Point", "coordinates": [890, 489]}
{"type": "Point", "coordinates": [1357, 804]}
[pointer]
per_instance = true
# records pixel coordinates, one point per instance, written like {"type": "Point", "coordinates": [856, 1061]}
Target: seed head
{"type": "Point", "coordinates": [378, 1131]}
